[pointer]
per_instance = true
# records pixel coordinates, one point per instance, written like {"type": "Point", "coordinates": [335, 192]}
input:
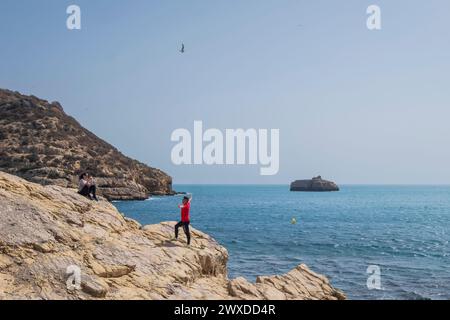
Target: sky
{"type": "Point", "coordinates": [353, 105]}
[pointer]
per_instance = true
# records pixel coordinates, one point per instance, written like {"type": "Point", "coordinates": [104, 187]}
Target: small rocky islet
{"type": "Point", "coordinates": [316, 184]}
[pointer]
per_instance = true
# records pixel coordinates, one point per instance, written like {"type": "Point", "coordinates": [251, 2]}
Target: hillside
{"type": "Point", "coordinates": [41, 143]}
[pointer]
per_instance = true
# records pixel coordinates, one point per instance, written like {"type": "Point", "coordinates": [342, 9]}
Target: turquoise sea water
{"type": "Point", "coordinates": [405, 230]}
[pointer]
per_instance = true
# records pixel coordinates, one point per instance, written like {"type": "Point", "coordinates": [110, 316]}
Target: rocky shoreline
{"type": "Point", "coordinates": [47, 229]}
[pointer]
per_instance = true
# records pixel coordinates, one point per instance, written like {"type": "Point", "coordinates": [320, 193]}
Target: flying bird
{"type": "Point", "coordinates": [182, 48]}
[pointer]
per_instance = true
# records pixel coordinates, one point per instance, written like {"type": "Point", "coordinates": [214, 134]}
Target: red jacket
{"type": "Point", "coordinates": [185, 212]}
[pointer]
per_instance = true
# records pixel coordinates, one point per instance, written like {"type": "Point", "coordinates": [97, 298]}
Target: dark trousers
{"type": "Point", "coordinates": [185, 226]}
{"type": "Point", "coordinates": [88, 191]}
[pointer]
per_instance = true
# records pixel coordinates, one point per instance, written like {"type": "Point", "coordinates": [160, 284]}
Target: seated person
{"type": "Point", "coordinates": [86, 186]}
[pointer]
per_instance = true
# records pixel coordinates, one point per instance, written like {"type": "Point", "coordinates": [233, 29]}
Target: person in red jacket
{"type": "Point", "coordinates": [185, 219]}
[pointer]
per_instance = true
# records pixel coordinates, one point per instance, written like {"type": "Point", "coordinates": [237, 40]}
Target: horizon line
{"type": "Point", "coordinates": [342, 184]}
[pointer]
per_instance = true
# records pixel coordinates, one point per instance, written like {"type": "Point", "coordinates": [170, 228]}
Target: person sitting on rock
{"type": "Point", "coordinates": [185, 219]}
{"type": "Point", "coordinates": [86, 186]}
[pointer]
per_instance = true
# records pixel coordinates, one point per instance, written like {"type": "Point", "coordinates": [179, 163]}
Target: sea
{"type": "Point", "coordinates": [372, 242]}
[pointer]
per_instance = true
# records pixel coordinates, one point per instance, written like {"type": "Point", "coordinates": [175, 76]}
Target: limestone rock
{"type": "Point", "coordinates": [44, 230]}
{"type": "Point", "coordinates": [41, 143]}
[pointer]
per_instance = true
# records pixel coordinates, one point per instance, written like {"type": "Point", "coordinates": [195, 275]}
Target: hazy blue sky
{"type": "Point", "coordinates": [353, 105]}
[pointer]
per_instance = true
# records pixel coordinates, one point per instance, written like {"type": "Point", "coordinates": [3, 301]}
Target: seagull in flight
{"type": "Point", "coordinates": [182, 48]}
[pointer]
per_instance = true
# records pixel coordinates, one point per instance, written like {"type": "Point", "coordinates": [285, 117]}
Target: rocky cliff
{"type": "Point", "coordinates": [316, 184]}
{"type": "Point", "coordinates": [41, 143]}
{"type": "Point", "coordinates": [49, 232]}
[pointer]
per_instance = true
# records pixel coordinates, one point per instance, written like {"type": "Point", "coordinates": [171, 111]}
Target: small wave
{"type": "Point", "coordinates": [412, 295]}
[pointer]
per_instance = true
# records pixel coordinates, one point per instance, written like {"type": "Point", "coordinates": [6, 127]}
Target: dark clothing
{"type": "Point", "coordinates": [89, 191]}
{"type": "Point", "coordinates": [185, 226]}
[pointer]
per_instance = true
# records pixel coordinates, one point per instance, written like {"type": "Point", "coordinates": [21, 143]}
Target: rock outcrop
{"type": "Point", "coordinates": [48, 233]}
{"type": "Point", "coordinates": [41, 143]}
{"type": "Point", "coordinates": [316, 184]}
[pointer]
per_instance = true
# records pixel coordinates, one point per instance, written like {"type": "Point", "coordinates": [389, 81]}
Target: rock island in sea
{"type": "Point", "coordinates": [316, 184]}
